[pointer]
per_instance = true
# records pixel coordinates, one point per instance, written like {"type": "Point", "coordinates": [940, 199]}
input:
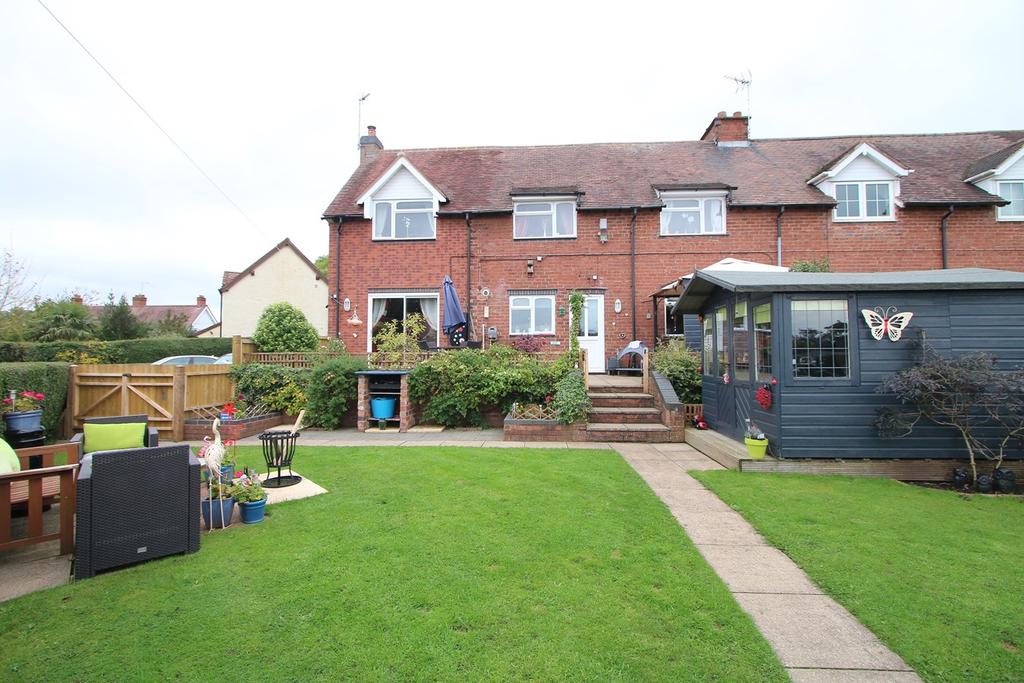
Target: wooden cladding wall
{"type": "Point", "coordinates": [167, 394]}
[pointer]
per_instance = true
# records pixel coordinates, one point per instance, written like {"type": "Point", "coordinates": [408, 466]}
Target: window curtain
{"type": "Point", "coordinates": [379, 306]}
{"type": "Point", "coordinates": [429, 308]}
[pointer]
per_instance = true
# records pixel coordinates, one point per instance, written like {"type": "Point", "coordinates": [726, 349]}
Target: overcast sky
{"type": "Point", "coordinates": [263, 96]}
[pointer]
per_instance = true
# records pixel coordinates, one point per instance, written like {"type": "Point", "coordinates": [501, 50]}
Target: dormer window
{"type": "Point", "coordinates": [693, 213]}
{"type": "Point", "coordinates": [863, 201]}
{"type": "Point", "coordinates": [549, 219]}
{"type": "Point", "coordinates": [1012, 192]}
{"type": "Point", "coordinates": [404, 220]}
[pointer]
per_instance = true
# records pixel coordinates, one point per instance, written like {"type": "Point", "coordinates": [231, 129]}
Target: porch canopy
{"type": "Point", "coordinates": [705, 283]}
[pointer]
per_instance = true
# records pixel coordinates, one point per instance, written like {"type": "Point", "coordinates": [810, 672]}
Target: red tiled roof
{"type": "Point", "coordinates": [992, 161]}
{"type": "Point", "coordinates": [610, 175]}
{"type": "Point", "coordinates": [286, 243]}
{"type": "Point", "coordinates": [228, 277]}
{"type": "Point", "coordinates": [153, 314]}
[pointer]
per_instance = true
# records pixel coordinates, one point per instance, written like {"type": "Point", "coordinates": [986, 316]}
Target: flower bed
{"type": "Point", "coordinates": [196, 429]}
{"type": "Point", "coordinates": [536, 422]}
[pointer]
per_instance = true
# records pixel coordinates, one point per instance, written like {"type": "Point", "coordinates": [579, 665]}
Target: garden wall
{"type": "Point", "coordinates": [517, 429]}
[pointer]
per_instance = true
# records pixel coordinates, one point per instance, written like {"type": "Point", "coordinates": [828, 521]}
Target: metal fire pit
{"type": "Point", "coordinates": [278, 450]}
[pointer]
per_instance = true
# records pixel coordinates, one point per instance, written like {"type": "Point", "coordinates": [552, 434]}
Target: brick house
{"type": "Point", "coordinates": [518, 228]}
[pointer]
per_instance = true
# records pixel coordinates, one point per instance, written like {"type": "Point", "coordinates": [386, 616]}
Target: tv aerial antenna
{"type": "Point", "coordinates": [743, 80]}
{"type": "Point", "coordinates": [360, 117]}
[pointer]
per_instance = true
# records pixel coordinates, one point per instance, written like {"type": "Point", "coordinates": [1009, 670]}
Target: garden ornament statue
{"type": "Point", "coordinates": [214, 455]}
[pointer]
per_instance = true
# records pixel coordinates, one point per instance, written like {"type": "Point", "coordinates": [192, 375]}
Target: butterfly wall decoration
{"type": "Point", "coordinates": [886, 322]}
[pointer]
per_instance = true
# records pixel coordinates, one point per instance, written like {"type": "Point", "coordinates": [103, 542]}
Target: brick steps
{"type": "Point", "coordinates": [626, 415]}
{"type": "Point", "coordinates": [622, 412]}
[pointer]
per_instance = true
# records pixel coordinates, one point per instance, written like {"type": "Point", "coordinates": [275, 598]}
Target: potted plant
{"type": "Point", "coordinates": [23, 411]}
{"type": "Point", "coordinates": [218, 506]}
{"type": "Point", "coordinates": [756, 441]}
{"type": "Point", "coordinates": [248, 492]}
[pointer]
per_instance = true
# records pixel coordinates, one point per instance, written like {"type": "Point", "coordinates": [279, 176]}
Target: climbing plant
{"type": "Point", "coordinates": [576, 300]}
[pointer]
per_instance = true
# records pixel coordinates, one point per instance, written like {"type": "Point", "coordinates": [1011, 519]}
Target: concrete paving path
{"type": "Point", "coordinates": [815, 638]}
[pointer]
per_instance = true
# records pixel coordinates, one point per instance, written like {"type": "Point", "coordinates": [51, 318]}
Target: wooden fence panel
{"type": "Point", "coordinates": [167, 394]}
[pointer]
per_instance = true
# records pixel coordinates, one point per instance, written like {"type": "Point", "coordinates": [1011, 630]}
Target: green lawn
{"type": "Point", "coordinates": [420, 564]}
{"type": "Point", "coordinates": [938, 576]}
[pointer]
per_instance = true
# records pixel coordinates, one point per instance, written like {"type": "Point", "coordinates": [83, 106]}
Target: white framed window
{"type": "Point", "coordinates": [404, 219]}
{"type": "Point", "coordinates": [673, 324]}
{"type": "Point", "coordinates": [693, 214]}
{"type": "Point", "coordinates": [398, 305]}
{"type": "Point", "coordinates": [543, 219]}
{"type": "Point", "coordinates": [534, 314]}
{"type": "Point", "coordinates": [864, 202]}
{"type": "Point", "coordinates": [1013, 192]}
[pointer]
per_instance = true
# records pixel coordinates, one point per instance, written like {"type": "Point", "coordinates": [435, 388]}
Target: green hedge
{"type": "Point", "coordinates": [48, 378]}
{"type": "Point", "coordinates": [144, 350]}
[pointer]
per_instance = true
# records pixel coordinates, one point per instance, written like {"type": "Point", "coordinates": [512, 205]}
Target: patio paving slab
{"type": "Point", "coordinates": [814, 637]}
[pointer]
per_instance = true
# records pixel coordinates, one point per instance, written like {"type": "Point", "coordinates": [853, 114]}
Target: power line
{"type": "Point", "coordinates": [154, 121]}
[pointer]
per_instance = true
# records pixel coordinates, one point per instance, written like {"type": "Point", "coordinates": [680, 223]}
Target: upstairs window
{"type": "Point", "coordinates": [544, 220]}
{"type": "Point", "coordinates": [863, 202]}
{"type": "Point", "coordinates": [404, 220]}
{"type": "Point", "coordinates": [693, 216]}
{"type": "Point", "coordinates": [1012, 192]}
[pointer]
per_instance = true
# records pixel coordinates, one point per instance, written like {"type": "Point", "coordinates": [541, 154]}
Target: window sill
{"type": "Point", "coordinates": [405, 239]}
{"type": "Point", "coordinates": [532, 334]}
{"type": "Point", "coordinates": [694, 234]}
{"type": "Point", "coordinates": [560, 237]}
{"type": "Point", "coordinates": [872, 219]}
{"type": "Point", "coordinates": [1010, 219]}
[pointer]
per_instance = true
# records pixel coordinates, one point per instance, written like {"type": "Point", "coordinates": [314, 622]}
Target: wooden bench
{"type": "Point", "coordinates": [37, 488]}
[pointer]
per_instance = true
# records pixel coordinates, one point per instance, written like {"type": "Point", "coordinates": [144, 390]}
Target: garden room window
{"type": "Point", "coordinates": [740, 337]}
{"type": "Point", "coordinates": [863, 202]}
{"type": "Point", "coordinates": [763, 342]}
{"type": "Point", "coordinates": [821, 338]}
{"type": "Point", "coordinates": [399, 306]}
{"type": "Point", "coordinates": [693, 215]}
{"type": "Point", "coordinates": [544, 219]}
{"type": "Point", "coordinates": [531, 315]}
{"type": "Point", "coordinates": [404, 220]}
{"type": "Point", "coordinates": [708, 360]}
{"type": "Point", "coordinates": [673, 323]}
{"type": "Point", "coordinates": [1012, 192]}
{"type": "Point", "coordinates": [722, 337]}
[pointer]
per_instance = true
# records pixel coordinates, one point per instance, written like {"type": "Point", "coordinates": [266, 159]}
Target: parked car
{"type": "Point", "coordinates": [186, 360]}
{"type": "Point", "coordinates": [226, 359]}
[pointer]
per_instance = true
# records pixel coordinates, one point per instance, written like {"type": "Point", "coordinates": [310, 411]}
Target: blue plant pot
{"type": "Point", "coordinates": [252, 513]}
{"type": "Point", "coordinates": [227, 473]}
{"type": "Point", "coordinates": [25, 421]}
{"type": "Point", "coordinates": [216, 510]}
{"type": "Point", "coordinates": [383, 407]}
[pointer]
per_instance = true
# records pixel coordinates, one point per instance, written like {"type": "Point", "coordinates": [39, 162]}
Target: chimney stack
{"type": "Point", "coordinates": [138, 301]}
{"type": "Point", "coordinates": [369, 145]}
{"type": "Point", "coordinates": [77, 299]}
{"type": "Point", "coordinates": [200, 300]}
{"type": "Point", "coordinates": [729, 131]}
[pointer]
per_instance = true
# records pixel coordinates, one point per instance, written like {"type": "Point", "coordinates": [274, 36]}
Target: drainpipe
{"type": "Point", "coordinates": [632, 268]}
{"type": "Point", "coordinates": [469, 277]}
{"type": "Point", "coordinates": [337, 281]}
{"type": "Point", "coordinates": [943, 227]}
{"type": "Point", "coordinates": [778, 235]}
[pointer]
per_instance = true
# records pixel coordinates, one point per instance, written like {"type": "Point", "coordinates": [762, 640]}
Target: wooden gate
{"type": "Point", "coordinates": [168, 394]}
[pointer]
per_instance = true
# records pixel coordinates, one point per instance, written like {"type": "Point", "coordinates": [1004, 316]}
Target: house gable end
{"type": "Point", "coordinates": [401, 178]}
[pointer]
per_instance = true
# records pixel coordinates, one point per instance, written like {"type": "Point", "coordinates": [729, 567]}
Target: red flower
{"type": "Point", "coordinates": [547, 399]}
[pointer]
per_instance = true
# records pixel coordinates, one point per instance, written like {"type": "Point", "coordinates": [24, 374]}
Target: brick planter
{"type": "Point", "coordinates": [543, 430]}
{"type": "Point", "coordinates": [195, 430]}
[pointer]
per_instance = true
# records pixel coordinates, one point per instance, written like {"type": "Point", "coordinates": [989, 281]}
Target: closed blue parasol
{"type": "Point", "coordinates": [453, 315]}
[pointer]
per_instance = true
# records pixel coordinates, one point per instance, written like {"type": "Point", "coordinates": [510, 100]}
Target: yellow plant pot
{"type": "Point", "coordinates": [756, 447]}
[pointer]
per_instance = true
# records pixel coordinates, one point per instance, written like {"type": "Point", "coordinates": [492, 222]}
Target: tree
{"type": "Point", "coordinates": [282, 327]}
{"type": "Point", "coordinates": [14, 324]}
{"type": "Point", "coordinates": [15, 288]}
{"type": "Point", "coordinates": [985, 406]}
{"type": "Point", "coordinates": [172, 325]}
{"type": "Point", "coordinates": [822, 266]}
{"type": "Point", "coordinates": [117, 321]}
{"type": "Point", "coordinates": [61, 321]}
{"type": "Point", "coordinates": [322, 264]}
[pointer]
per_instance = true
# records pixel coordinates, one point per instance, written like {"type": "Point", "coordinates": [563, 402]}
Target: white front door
{"type": "Point", "coordinates": [591, 332]}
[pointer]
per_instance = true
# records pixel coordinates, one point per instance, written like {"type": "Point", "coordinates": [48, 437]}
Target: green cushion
{"type": "Point", "coordinates": [8, 459]}
{"type": "Point", "coordinates": [114, 437]}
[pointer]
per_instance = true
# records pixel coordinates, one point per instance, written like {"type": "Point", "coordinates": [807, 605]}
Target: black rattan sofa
{"type": "Point", "coordinates": [134, 505]}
